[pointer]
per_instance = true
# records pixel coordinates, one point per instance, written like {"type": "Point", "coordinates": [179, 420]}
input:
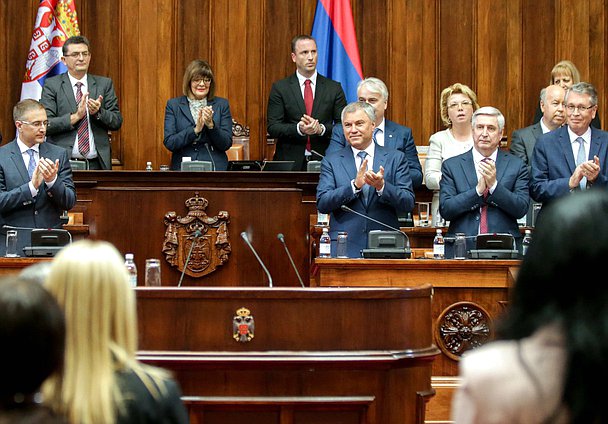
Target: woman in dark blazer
{"type": "Point", "coordinates": [198, 125]}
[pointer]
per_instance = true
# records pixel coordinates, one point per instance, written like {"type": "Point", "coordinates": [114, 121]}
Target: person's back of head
{"type": "Point", "coordinates": [570, 241]}
{"type": "Point", "coordinates": [32, 331]}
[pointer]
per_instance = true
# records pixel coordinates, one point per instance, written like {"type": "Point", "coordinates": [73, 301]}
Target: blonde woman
{"type": "Point", "coordinates": [102, 382]}
{"type": "Point", "coordinates": [457, 104]}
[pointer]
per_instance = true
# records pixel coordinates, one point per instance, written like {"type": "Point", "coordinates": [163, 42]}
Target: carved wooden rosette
{"type": "Point", "coordinates": [210, 249]}
{"type": "Point", "coordinates": [462, 326]}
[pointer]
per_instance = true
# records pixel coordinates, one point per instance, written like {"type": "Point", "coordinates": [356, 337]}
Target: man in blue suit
{"type": "Point", "coordinates": [484, 190]}
{"type": "Point", "coordinates": [364, 176]}
{"type": "Point", "coordinates": [387, 133]}
{"type": "Point", "coordinates": [574, 156]}
{"type": "Point", "coordinates": [35, 176]}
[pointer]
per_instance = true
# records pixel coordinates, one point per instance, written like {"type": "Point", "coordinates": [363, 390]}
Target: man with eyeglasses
{"type": "Point", "coordinates": [36, 183]}
{"type": "Point", "coordinates": [386, 133]}
{"type": "Point", "coordinates": [81, 107]}
{"type": "Point", "coordinates": [574, 156]}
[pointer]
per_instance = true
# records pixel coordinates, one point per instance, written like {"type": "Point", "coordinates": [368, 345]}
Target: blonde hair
{"type": "Point", "coordinates": [91, 284]}
{"type": "Point", "coordinates": [456, 88]}
{"type": "Point", "coordinates": [565, 67]}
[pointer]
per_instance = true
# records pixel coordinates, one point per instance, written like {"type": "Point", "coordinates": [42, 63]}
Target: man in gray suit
{"type": "Point", "coordinates": [524, 139]}
{"type": "Point", "coordinates": [81, 107]}
{"type": "Point", "coordinates": [554, 116]}
{"type": "Point", "coordinates": [35, 177]}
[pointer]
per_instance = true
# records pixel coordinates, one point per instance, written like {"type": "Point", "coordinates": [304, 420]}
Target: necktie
{"type": "Point", "coordinates": [365, 189]}
{"type": "Point", "coordinates": [83, 126]}
{"type": "Point", "coordinates": [580, 158]}
{"type": "Point", "coordinates": [374, 136]}
{"type": "Point", "coordinates": [31, 166]}
{"type": "Point", "coordinates": [308, 100]}
{"type": "Point", "coordinates": [483, 219]}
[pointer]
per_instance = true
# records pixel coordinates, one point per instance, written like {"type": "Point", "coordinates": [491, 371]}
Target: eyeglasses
{"type": "Point", "coordinates": [36, 124]}
{"type": "Point", "coordinates": [580, 108]}
{"type": "Point", "coordinates": [76, 55]}
{"type": "Point", "coordinates": [205, 81]}
{"type": "Point", "coordinates": [462, 104]}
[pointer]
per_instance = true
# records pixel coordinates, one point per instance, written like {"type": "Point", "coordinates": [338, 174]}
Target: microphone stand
{"type": "Point", "coordinates": [282, 239]}
{"type": "Point", "coordinates": [195, 237]}
{"type": "Point", "coordinates": [244, 237]}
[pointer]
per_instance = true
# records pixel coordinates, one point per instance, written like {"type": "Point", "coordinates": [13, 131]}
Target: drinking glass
{"type": "Point", "coordinates": [152, 278]}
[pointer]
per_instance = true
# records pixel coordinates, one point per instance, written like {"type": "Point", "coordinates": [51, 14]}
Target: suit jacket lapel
{"type": "Point", "coordinates": [92, 87]}
{"type": "Point", "coordinates": [467, 165]}
{"type": "Point", "coordinates": [319, 97]}
{"type": "Point", "coordinates": [68, 91]}
{"type": "Point", "coordinates": [566, 146]}
{"type": "Point", "coordinates": [594, 148]}
{"type": "Point", "coordinates": [296, 93]}
{"type": "Point", "coordinates": [502, 159]}
{"type": "Point", "coordinates": [17, 159]}
{"type": "Point", "coordinates": [380, 157]}
{"type": "Point", "coordinates": [389, 134]}
{"type": "Point", "coordinates": [184, 107]}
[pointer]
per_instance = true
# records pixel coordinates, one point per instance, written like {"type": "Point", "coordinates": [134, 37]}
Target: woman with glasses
{"type": "Point", "coordinates": [198, 125]}
{"type": "Point", "coordinates": [101, 380]}
{"type": "Point", "coordinates": [457, 104]}
{"type": "Point", "coordinates": [565, 74]}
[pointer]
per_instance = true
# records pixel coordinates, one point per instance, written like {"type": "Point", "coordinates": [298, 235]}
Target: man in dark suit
{"type": "Point", "coordinates": [484, 190]}
{"type": "Point", "coordinates": [303, 108]}
{"type": "Point", "coordinates": [82, 108]}
{"type": "Point", "coordinates": [35, 177]}
{"type": "Point", "coordinates": [554, 116]}
{"type": "Point", "coordinates": [574, 157]}
{"type": "Point", "coordinates": [366, 177]}
{"type": "Point", "coordinates": [387, 133]}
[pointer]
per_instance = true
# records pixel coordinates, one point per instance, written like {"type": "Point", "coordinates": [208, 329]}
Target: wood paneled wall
{"type": "Point", "coordinates": [503, 49]}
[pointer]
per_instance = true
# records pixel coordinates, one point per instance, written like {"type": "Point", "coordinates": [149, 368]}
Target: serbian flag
{"type": "Point", "coordinates": [56, 21]}
{"type": "Point", "coordinates": [334, 31]}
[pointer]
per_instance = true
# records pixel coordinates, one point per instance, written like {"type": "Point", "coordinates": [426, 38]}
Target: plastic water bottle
{"type": "Point", "coordinates": [438, 245]}
{"type": "Point", "coordinates": [131, 269]}
{"type": "Point", "coordinates": [148, 166]}
{"type": "Point", "coordinates": [325, 244]}
{"type": "Point", "coordinates": [525, 244]}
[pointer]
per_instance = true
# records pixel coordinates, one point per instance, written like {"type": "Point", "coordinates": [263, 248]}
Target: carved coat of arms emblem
{"type": "Point", "coordinates": [203, 237]}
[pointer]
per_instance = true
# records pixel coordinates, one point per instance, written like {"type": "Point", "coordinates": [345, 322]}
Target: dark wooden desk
{"type": "Point", "coordinates": [11, 266]}
{"type": "Point", "coordinates": [318, 355]}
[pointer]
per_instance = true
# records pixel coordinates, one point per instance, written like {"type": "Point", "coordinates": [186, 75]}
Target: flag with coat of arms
{"type": "Point", "coordinates": [56, 21]}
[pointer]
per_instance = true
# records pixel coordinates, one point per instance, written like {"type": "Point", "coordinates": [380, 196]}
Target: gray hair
{"type": "Point", "coordinates": [375, 85]}
{"type": "Point", "coordinates": [355, 106]}
{"type": "Point", "coordinates": [543, 95]}
{"type": "Point", "coordinates": [490, 111]}
{"type": "Point", "coordinates": [583, 88]}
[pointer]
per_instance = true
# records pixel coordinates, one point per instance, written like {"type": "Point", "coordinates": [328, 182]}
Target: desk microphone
{"type": "Point", "coordinates": [282, 239]}
{"type": "Point", "coordinates": [244, 237]}
{"type": "Point", "coordinates": [210, 156]}
{"type": "Point", "coordinates": [317, 153]}
{"type": "Point", "coordinates": [347, 209]}
{"type": "Point", "coordinates": [194, 237]}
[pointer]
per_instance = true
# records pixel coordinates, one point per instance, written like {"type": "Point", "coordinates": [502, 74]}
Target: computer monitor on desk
{"type": "Point", "coordinates": [495, 246]}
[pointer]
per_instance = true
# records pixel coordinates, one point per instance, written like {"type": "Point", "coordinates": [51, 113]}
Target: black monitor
{"type": "Point", "coordinates": [47, 242]}
{"type": "Point", "coordinates": [244, 165]}
{"type": "Point", "coordinates": [278, 165]}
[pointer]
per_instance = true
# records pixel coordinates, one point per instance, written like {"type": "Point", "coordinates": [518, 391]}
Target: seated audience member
{"type": "Point", "coordinates": [484, 190]}
{"type": "Point", "coordinates": [386, 133]}
{"type": "Point", "coordinates": [573, 157]}
{"type": "Point", "coordinates": [32, 331]}
{"type": "Point", "coordinates": [565, 74]}
{"type": "Point", "coordinates": [368, 178]}
{"type": "Point", "coordinates": [102, 380]}
{"type": "Point", "coordinates": [457, 104]}
{"type": "Point", "coordinates": [553, 340]}
{"type": "Point", "coordinates": [198, 125]}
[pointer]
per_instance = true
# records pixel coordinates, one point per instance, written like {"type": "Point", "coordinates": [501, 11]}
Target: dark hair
{"type": "Point", "coordinates": [75, 39]}
{"type": "Point", "coordinates": [300, 37]}
{"type": "Point", "coordinates": [195, 70]}
{"type": "Point", "coordinates": [570, 240]}
{"type": "Point", "coordinates": [32, 331]}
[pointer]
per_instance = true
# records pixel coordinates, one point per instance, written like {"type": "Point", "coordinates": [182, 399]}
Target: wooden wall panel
{"type": "Point", "coordinates": [503, 49]}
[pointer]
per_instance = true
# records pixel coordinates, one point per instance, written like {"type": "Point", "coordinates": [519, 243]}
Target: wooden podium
{"type": "Point", "coordinates": [317, 355]}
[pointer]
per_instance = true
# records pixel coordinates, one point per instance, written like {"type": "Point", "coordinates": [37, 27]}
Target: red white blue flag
{"type": "Point", "coordinates": [56, 21]}
{"type": "Point", "coordinates": [334, 31]}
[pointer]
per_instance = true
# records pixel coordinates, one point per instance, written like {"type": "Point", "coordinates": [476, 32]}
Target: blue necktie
{"type": "Point", "coordinates": [580, 158]}
{"type": "Point", "coordinates": [374, 136]}
{"type": "Point", "coordinates": [31, 166]}
{"type": "Point", "coordinates": [365, 189]}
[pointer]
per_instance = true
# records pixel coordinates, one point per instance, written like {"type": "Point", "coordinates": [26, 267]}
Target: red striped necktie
{"type": "Point", "coordinates": [83, 126]}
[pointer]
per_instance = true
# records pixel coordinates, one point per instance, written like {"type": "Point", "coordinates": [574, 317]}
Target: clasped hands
{"type": "Point", "coordinates": [369, 177]}
{"type": "Point", "coordinates": [487, 169]}
{"type": "Point", "coordinates": [93, 105]}
{"type": "Point", "coordinates": [46, 170]}
{"type": "Point", "coordinates": [205, 118]}
{"type": "Point", "coordinates": [309, 125]}
{"type": "Point", "coordinates": [589, 169]}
